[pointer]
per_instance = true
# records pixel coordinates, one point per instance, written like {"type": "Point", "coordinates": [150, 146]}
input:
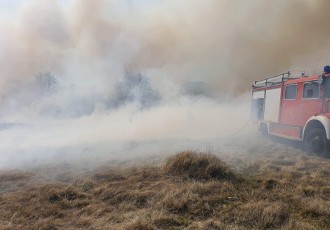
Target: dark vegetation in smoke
{"type": "Point", "coordinates": [52, 97]}
{"type": "Point", "coordinates": [131, 88]}
{"type": "Point", "coordinates": [135, 88]}
{"type": "Point", "coordinates": [50, 90]}
{"type": "Point", "coordinates": [47, 83]}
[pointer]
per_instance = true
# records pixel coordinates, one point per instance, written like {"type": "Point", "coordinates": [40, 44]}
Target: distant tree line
{"type": "Point", "coordinates": [131, 88]}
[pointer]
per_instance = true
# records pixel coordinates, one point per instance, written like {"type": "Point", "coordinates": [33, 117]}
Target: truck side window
{"type": "Point", "coordinates": [290, 92]}
{"type": "Point", "coordinates": [311, 90]}
{"type": "Point", "coordinates": [326, 87]}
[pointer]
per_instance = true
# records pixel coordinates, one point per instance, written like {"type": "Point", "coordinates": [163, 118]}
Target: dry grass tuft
{"type": "Point", "coordinates": [262, 215]}
{"type": "Point", "coordinates": [271, 183]}
{"type": "Point", "coordinates": [140, 225]}
{"type": "Point", "coordinates": [199, 166]}
{"type": "Point", "coordinates": [111, 175]}
{"type": "Point", "coordinates": [168, 222]}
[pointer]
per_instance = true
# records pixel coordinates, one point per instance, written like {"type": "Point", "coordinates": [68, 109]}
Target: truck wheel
{"type": "Point", "coordinates": [316, 141]}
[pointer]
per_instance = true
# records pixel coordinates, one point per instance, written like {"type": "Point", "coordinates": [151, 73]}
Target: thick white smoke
{"type": "Point", "coordinates": [95, 73]}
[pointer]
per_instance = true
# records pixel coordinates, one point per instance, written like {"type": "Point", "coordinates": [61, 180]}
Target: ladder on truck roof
{"type": "Point", "coordinates": [278, 79]}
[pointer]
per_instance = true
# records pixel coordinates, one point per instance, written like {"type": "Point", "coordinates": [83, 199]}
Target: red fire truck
{"type": "Point", "coordinates": [295, 107]}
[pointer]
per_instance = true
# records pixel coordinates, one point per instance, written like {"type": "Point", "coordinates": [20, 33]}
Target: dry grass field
{"type": "Point", "coordinates": [244, 184]}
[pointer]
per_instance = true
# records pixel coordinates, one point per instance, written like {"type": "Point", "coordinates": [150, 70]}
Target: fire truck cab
{"type": "Point", "coordinates": [295, 107]}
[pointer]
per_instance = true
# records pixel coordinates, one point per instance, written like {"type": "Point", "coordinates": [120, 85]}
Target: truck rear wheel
{"type": "Point", "coordinates": [316, 141]}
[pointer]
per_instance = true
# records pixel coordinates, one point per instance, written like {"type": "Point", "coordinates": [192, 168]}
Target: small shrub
{"type": "Point", "coordinates": [198, 166]}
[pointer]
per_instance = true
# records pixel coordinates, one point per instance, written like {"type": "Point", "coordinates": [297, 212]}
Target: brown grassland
{"type": "Point", "coordinates": [251, 185]}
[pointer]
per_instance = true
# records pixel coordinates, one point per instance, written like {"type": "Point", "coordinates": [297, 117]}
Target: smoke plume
{"type": "Point", "coordinates": [87, 72]}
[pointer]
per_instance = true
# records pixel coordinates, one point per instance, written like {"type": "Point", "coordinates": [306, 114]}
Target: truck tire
{"type": "Point", "coordinates": [316, 141]}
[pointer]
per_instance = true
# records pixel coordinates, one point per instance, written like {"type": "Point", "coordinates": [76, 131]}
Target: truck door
{"type": "Point", "coordinates": [311, 103]}
{"type": "Point", "coordinates": [290, 105]}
